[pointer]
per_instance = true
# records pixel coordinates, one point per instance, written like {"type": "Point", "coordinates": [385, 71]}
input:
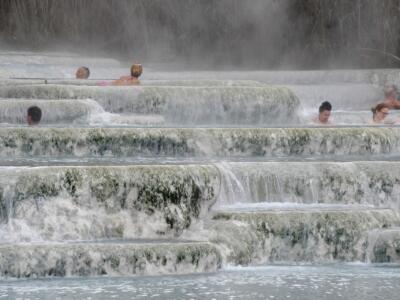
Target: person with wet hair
{"type": "Point", "coordinates": [82, 73]}
{"type": "Point", "coordinates": [133, 79]}
{"type": "Point", "coordinates": [379, 114]}
{"type": "Point", "coordinates": [324, 114]}
{"type": "Point", "coordinates": [391, 97]}
{"type": "Point", "coordinates": [34, 115]}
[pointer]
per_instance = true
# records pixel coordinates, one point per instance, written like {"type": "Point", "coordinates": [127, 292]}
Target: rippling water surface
{"type": "Point", "coordinates": [273, 282]}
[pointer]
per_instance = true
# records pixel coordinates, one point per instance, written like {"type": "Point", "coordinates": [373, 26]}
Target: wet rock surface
{"type": "Point", "coordinates": [93, 218]}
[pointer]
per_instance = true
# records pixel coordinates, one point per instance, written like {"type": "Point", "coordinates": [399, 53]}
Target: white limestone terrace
{"type": "Point", "coordinates": [97, 82]}
{"type": "Point", "coordinates": [99, 209]}
{"type": "Point", "coordinates": [71, 112]}
{"type": "Point", "coordinates": [111, 258]}
{"type": "Point", "coordinates": [283, 185]}
{"type": "Point", "coordinates": [97, 214]}
{"type": "Point", "coordinates": [240, 105]}
{"type": "Point", "coordinates": [109, 69]}
{"type": "Point", "coordinates": [186, 102]}
{"type": "Point", "coordinates": [162, 201]}
{"type": "Point", "coordinates": [205, 143]}
{"type": "Point", "coordinates": [349, 91]}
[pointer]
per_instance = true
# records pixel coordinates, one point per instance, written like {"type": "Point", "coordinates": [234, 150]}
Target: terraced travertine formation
{"type": "Point", "coordinates": [191, 172]}
{"type": "Point", "coordinates": [177, 104]}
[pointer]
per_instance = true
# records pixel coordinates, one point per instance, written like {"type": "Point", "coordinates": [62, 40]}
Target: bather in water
{"type": "Point", "coordinates": [34, 115]}
{"type": "Point", "coordinates": [82, 73]}
{"type": "Point", "coordinates": [133, 79]}
{"type": "Point", "coordinates": [324, 114]}
{"type": "Point", "coordinates": [379, 114]}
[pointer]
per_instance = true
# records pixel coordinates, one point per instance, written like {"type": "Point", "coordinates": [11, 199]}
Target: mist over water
{"type": "Point", "coordinates": [216, 164]}
{"type": "Point", "coordinates": [212, 33]}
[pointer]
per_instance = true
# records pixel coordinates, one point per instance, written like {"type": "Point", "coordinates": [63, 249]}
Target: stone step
{"type": "Point", "coordinates": [14, 111]}
{"type": "Point", "coordinates": [97, 82]}
{"type": "Point", "coordinates": [110, 258]}
{"type": "Point", "coordinates": [71, 112]}
{"type": "Point", "coordinates": [198, 142]}
{"type": "Point", "coordinates": [384, 246]}
{"type": "Point", "coordinates": [83, 202]}
{"type": "Point", "coordinates": [179, 104]}
{"type": "Point", "coordinates": [327, 235]}
{"type": "Point", "coordinates": [193, 188]}
{"type": "Point", "coordinates": [255, 208]}
{"type": "Point", "coordinates": [372, 76]}
{"type": "Point", "coordinates": [259, 183]}
{"type": "Point", "coordinates": [79, 203]}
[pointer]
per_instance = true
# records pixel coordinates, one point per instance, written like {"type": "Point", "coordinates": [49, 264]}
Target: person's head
{"type": "Point", "coordinates": [136, 70]}
{"type": "Point", "coordinates": [380, 112]}
{"type": "Point", "coordinates": [390, 91]}
{"type": "Point", "coordinates": [325, 112]}
{"type": "Point", "coordinates": [82, 73]}
{"type": "Point", "coordinates": [34, 115]}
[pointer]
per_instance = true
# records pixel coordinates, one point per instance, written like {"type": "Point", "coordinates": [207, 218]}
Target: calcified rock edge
{"type": "Point", "coordinates": [89, 219]}
{"type": "Point", "coordinates": [50, 206]}
{"type": "Point", "coordinates": [198, 142]}
{"type": "Point", "coordinates": [210, 102]}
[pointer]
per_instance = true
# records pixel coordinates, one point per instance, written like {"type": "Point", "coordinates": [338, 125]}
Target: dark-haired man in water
{"type": "Point", "coordinates": [34, 116]}
{"type": "Point", "coordinates": [324, 114]}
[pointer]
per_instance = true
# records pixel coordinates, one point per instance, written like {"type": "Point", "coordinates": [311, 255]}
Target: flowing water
{"type": "Point", "coordinates": [195, 185]}
{"type": "Point", "coordinates": [274, 282]}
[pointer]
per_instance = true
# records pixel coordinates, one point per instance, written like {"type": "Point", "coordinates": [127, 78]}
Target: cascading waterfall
{"type": "Point", "coordinates": [199, 143]}
{"type": "Point", "coordinates": [372, 183]}
{"type": "Point", "coordinates": [180, 105]}
{"type": "Point", "coordinates": [181, 176]}
{"type": "Point", "coordinates": [212, 167]}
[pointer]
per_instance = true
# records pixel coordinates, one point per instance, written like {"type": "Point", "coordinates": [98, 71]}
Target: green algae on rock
{"type": "Point", "coordinates": [180, 104]}
{"type": "Point", "coordinates": [112, 259]}
{"type": "Point", "coordinates": [198, 142]}
{"type": "Point", "coordinates": [335, 235]}
{"type": "Point", "coordinates": [374, 183]}
{"type": "Point", "coordinates": [384, 246]}
{"type": "Point", "coordinates": [115, 200]}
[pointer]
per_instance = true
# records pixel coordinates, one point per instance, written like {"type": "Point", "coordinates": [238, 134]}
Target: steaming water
{"type": "Point", "coordinates": [192, 171]}
{"type": "Point", "coordinates": [352, 94]}
{"type": "Point", "coordinates": [188, 103]}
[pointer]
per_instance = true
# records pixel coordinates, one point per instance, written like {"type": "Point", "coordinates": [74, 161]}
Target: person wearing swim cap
{"type": "Point", "coordinates": [133, 79]}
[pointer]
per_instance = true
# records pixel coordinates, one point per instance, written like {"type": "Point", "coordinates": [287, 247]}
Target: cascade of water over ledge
{"type": "Point", "coordinates": [192, 172]}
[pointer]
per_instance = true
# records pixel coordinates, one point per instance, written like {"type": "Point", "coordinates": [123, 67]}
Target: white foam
{"type": "Point", "coordinates": [284, 206]}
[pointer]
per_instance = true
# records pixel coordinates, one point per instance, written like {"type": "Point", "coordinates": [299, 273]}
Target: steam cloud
{"type": "Point", "coordinates": [212, 33]}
